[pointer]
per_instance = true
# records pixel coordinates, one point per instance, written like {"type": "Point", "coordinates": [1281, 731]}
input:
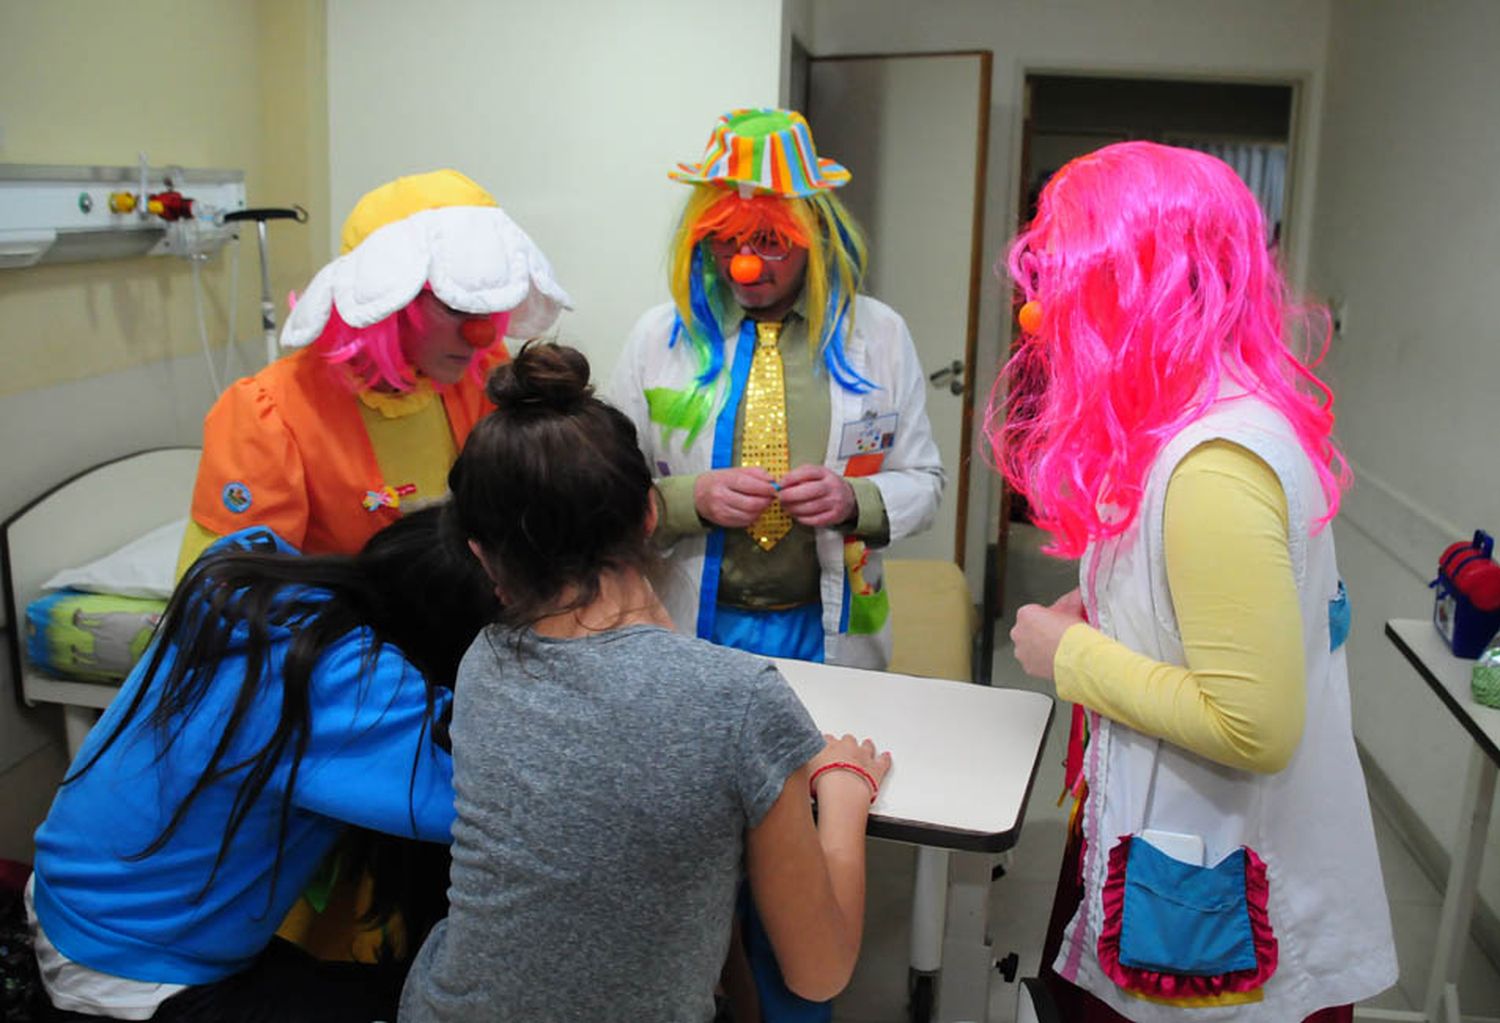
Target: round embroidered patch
{"type": "Point", "coordinates": [236, 497]}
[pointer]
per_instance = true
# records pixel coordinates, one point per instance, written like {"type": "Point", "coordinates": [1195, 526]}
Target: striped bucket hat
{"type": "Point", "coordinates": [763, 151]}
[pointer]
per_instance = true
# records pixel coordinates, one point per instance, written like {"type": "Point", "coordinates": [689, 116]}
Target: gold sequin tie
{"type": "Point", "coordinates": [763, 441]}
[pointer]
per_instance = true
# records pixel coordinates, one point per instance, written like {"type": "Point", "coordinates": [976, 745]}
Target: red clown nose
{"type": "Point", "coordinates": [478, 333]}
{"type": "Point", "coordinates": [1030, 317]}
{"type": "Point", "coordinates": [745, 268]}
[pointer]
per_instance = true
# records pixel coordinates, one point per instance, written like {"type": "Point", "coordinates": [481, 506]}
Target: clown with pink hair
{"type": "Point", "coordinates": [393, 341]}
{"type": "Point", "coordinates": [1167, 428]}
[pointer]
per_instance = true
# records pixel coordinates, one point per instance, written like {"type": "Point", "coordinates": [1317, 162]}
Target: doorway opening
{"type": "Point", "coordinates": [913, 129]}
{"type": "Point", "coordinates": [1247, 125]}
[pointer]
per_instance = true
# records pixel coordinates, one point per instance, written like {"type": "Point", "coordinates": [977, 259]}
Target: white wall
{"type": "Point", "coordinates": [1407, 234]}
{"type": "Point", "coordinates": [1250, 39]}
{"type": "Point", "coordinates": [570, 112]}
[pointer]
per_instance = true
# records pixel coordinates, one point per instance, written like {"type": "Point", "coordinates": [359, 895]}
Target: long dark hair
{"type": "Point", "coordinates": [413, 586]}
{"type": "Point", "coordinates": [552, 485]}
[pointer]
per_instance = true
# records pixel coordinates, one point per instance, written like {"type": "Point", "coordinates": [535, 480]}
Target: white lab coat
{"type": "Point", "coordinates": [910, 478]}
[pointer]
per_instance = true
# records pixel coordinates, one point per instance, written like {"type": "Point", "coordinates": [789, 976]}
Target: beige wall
{"type": "Point", "coordinates": [101, 359]}
{"type": "Point", "coordinates": [100, 87]}
{"type": "Point", "coordinates": [1407, 236]}
{"type": "Point", "coordinates": [292, 37]}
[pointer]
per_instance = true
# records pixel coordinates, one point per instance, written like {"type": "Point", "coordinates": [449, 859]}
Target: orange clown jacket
{"type": "Point", "coordinates": [287, 449]}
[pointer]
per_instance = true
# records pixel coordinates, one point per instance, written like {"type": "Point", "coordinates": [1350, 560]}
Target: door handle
{"type": "Point", "coordinates": [952, 375]}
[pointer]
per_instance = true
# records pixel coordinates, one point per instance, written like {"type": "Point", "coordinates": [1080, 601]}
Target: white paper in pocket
{"type": "Point", "coordinates": [1179, 846]}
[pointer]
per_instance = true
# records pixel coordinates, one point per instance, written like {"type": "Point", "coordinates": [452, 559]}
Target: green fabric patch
{"type": "Point", "coordinates": [677, 410]}
{"type": "Point", "coordinates": [868, 613]}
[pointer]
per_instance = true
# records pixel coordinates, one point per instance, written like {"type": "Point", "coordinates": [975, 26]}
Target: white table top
{"type": "Point", "coordinates": [1450, 677]}
{"type": "Point", "coordinates": [964, 755]}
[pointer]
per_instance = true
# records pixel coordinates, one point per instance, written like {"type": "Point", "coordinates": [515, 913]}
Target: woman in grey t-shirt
{"type": "Point", "coordinates": [614, 779]}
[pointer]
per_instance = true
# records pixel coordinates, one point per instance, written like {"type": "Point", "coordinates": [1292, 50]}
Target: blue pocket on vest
{"type": "Point", "coordinates": [1338, 618]}
{"type": "Point", "coordinates": [1185, 919]}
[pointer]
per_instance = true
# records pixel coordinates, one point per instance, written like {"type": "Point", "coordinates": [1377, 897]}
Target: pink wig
{"type": "Point", "coordinates": [1157, 289]}
{"type": "Point", "coordinates": [373, 356]}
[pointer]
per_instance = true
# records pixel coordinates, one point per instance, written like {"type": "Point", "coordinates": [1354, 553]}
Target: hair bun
{"type": "Point", "coordinates": [541, 376]}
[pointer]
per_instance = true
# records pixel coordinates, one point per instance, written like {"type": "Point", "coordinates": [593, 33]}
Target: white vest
{"type": "Point", "coordinates": [1310, 822]}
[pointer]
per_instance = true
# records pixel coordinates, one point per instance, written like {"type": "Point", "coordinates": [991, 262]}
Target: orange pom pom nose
{"type": "Point", "coordinates": [1030, 317]}
{"type": "Point", "coordinates": [745, 268]}
{"type": "Point", "coordinates": [478, 333]}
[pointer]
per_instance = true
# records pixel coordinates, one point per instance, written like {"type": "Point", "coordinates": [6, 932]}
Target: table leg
{"type": "Point", "coordinates": [929, 909]}
{"type": "Point", "coordinates": [968, 960]}
{"type": "Point", "coordinates": [929, 918]}
{"type": "Point", "coordinates": [1463, 880]}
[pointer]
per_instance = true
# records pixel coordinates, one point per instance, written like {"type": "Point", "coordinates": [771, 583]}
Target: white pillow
{"type": "Point", "coordinates": [144, 567]}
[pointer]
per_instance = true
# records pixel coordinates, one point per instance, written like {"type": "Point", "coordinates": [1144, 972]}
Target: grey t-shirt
{"type": "Point", "coordinates": [604, 786]}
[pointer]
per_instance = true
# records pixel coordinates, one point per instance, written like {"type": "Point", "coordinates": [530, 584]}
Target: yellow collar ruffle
{"type": "Point", "coordinates": [396, 405]}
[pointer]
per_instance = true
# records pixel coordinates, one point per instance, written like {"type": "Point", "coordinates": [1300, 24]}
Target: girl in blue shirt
{"type": "Point", "coordinates": [285, 700]}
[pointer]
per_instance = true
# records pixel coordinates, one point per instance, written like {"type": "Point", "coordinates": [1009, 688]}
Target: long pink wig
{"type": "Point", "coordinates": [373, 356]}
{"type": "Point", "coordinates": [1157, 289]}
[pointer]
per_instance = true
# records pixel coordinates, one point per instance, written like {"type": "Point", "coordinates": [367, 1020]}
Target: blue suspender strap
{"type": "Point", "coordinates": [713, 555]}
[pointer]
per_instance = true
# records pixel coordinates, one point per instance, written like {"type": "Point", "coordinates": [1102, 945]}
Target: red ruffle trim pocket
{"type": "Point", "coordinates": [1173, 986]}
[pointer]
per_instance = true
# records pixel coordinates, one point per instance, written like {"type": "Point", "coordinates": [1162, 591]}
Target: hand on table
{"type": "Point", "coordinates": [733, 497]}
{"type": "Point", "coordinates": [841, 783]}
{"type": "Point", "coordinates": [1039, 630]}
{"type": "Point", "coordinates": [815, 495]}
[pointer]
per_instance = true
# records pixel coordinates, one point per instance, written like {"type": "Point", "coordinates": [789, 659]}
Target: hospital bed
{"type": "Point", "coordinates": [81, 519]}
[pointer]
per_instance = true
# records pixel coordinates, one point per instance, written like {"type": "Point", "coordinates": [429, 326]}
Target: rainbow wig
{"type": "Point", "coordinates": [1157, 289]}
{"type": "Point", "coordinates": [835, 269]}
{"type": "Point", "coordinates": [373, 356]}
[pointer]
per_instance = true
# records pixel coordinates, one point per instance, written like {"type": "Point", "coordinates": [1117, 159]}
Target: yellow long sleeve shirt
{"type": "Point", "coordinates": [1240, 700]}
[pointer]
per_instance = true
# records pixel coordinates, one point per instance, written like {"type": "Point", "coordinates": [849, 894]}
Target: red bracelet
{"type": "Point", "coordinates": [843, 765]}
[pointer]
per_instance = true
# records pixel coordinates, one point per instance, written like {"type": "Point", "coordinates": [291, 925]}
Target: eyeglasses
{"type": "Point", "coordinates": [768, 245]}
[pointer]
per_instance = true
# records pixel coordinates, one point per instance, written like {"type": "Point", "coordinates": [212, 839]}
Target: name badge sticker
{"type": "Point", "coordinates": [869, 435]}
